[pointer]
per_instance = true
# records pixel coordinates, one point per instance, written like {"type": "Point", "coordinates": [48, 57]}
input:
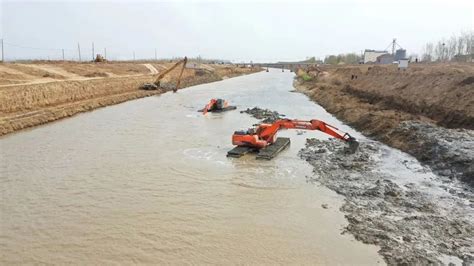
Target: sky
{"type": "Point", "coordinates": [258, 31]}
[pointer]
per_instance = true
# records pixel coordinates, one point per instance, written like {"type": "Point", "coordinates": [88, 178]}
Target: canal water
{"type": "Point", "coordinates": [148, 181]}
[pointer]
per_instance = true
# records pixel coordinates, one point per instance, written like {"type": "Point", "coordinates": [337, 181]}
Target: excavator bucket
{"type": "Point", "coordinates": [353, 146]}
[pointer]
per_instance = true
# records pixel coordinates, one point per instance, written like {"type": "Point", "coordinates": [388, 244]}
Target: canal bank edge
{"type": "Point", "coordinates": [445, 151]}
{"type": "Point", "coordinates": [75, 97]}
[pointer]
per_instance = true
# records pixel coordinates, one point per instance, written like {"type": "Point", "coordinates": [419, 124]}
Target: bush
{"type": "Point", "coordinates": [306, 77]}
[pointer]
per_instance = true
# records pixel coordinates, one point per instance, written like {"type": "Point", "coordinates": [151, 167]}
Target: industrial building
{"type": "Point", "coordinates": [400, 54]}
{"type": "Point", "coordinates": [370, 56]}
{"type": "Point", "coordinates": [383, 57]}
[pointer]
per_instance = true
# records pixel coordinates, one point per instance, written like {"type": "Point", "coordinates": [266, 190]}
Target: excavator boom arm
{"type": "Point", "coordinates": [183, 61]}
{"type": "Point", "coordinates": [265, 135]}
{"type": "Point", "coordinates": [269, 132]}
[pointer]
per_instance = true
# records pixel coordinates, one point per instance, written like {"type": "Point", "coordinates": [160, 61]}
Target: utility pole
{"type": "Point", "coordinates": [79, 51]}
{"type": "Point", "coordinates": [105, 53]}
{"type": "Point", "coordinates": [3, 53]}
{"type": "Point", "coordinates": [93, 51]}
{"type": "Point", "coordinates": [393, 46]}
{"type": "Point", "coordinates": [443, 56]}
{"type": "Point", "coordinates": [63, 53]}
{"type": "Point", "coordinates": [156, 58]}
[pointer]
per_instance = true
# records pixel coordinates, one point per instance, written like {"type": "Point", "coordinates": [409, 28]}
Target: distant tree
{"type": "Point", "coordinates": [456, 48]}
{"type": "Point", "coordinates": [451, 45]}
{"type": "Point", "coordinates": [332, 60]}
{"type": "Point", "coordinates": [440, 50]}
{"type": "Point", "coordinates": [460, 45]}
{"type": "Point", "coordinates": [469, 41]}
{"type": "Point", "coordinates": [311, 60]}
{"type": "Point", "coordinates": [427, 53]}
{"type": "Point", "coordinates": [350, 58]}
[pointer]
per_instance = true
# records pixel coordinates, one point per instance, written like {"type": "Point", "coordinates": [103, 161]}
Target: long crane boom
{"type": "Point", "coordinates": [183, 62]}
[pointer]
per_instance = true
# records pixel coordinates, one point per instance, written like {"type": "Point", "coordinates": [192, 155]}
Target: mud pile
{"type": "Point", "coordinates": [413, 220]}
{"type": "Point", "coordinates": [264, 115]}
{"type": "Point", "coordinates": [449, 152]}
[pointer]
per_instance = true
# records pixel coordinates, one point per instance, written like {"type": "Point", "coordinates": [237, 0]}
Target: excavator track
{"type": "Point", "coordinates": [239, 151]}
{"type": "Point", "coordinates": [273, 150]}
{"type": "Point", "coordinates": [266, 153]}
{"type": "Point", "coordinates": [228, 108]}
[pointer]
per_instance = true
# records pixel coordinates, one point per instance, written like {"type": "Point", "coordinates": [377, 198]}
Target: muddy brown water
{"type": "Point", "coordinates": [148, 181]}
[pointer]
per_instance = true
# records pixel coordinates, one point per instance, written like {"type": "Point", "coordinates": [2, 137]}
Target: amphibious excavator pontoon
{"type": "Point", "coordinates": [262, 138]}
{"type": "Point", "coordinates": [217, 106]}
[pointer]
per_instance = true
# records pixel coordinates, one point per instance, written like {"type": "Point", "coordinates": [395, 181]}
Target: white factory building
{"type": "Point", "coordinates": [370, 56]}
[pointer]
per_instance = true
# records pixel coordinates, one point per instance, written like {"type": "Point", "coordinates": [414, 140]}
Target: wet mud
{"type": "Point", "coordinates": [416, 215]}
{"type": "Point", "coordinates": [449, 152]}
{"type": "Point", "coordinates": [264, 115]}
{"type": "Point", "coordinates": [412, 214]}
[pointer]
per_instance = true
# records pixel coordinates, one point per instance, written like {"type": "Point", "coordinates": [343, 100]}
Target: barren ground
{"type": "Point", "coordinates": [37, 93]}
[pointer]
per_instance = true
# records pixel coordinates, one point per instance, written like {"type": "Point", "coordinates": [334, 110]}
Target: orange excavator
{"type": "Point", "coordinates": [217, 105]}
{"type": "Point", "coordinates": [156, 84]}
{"type": "Point", "coordinates": [263, 138]}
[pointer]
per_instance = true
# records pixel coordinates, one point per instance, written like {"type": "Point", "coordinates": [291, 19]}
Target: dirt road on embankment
{"type": "Point", "coordinates": [36, 93]}
{"type": "Point", "coordinates": [426, 111]}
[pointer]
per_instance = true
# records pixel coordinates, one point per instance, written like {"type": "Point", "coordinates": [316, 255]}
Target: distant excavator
{"type": "Point", "coordinates": [156, 84]}
{"type": "Point", "coordinates": [263, 138]}
{"type": "Point", "coordinates": [217, 105]}
{"type": "Point", "coordinates": [99, 59]}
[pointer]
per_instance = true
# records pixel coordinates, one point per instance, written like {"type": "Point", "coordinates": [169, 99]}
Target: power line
{"type": "Point", "coordinates": [3, 53]}
{"type": "Point", "coordinates": [35, 48]}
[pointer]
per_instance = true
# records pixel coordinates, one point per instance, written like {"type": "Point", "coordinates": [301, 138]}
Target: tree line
{"type": "Point", "coordinates": [456, 48]}
{"type": "Point", "coordinates": [350, 58]}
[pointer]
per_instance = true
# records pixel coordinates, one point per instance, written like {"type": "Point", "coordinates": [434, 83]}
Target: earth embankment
{"type": "Point", "coordinates": [34, 94]}
{"type": "Point", "coordinates": [426, 110]}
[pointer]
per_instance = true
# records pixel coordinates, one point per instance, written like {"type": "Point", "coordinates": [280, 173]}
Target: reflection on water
{"type": "Point", "coordinates": [148, 181]}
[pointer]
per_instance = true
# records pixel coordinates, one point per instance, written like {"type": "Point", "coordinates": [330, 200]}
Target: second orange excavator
{"type": "Point", "coordinates": [156, 84]}
{"type": "Point", "coordinates": [263, 138]}
{"type": "Point", "coordinates": [217, 105]}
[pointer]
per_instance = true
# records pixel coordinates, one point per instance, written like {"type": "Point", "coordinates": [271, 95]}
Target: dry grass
{"type": "Point", "coordinates": [382, 96]}
{"type": "Point", "coordinates": [30, 97]}
{"type": "Point", "coordinates": [31, 71]}
{"type": "Point", "coordinates": [84, 69]}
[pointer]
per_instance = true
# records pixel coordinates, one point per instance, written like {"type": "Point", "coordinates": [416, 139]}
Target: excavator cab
{"type": "Point", "coordinates": [217, 106]}
{"type": "Point", "coordinates": [220, 104]}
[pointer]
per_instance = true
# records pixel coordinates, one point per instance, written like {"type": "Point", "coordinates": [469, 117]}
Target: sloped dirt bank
{"type": "Point", "coordinates": [395, 203]}
{"type": "Point", "coordinates": [400, 120]}
{"type": "Point", "coordinates": [24, 106]}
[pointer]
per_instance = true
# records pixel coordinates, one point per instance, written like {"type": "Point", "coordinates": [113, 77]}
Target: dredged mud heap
{"type": "Point", "coordinates": [264, 115]}
{"type": "Point", "coordinates": [412, 214]}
